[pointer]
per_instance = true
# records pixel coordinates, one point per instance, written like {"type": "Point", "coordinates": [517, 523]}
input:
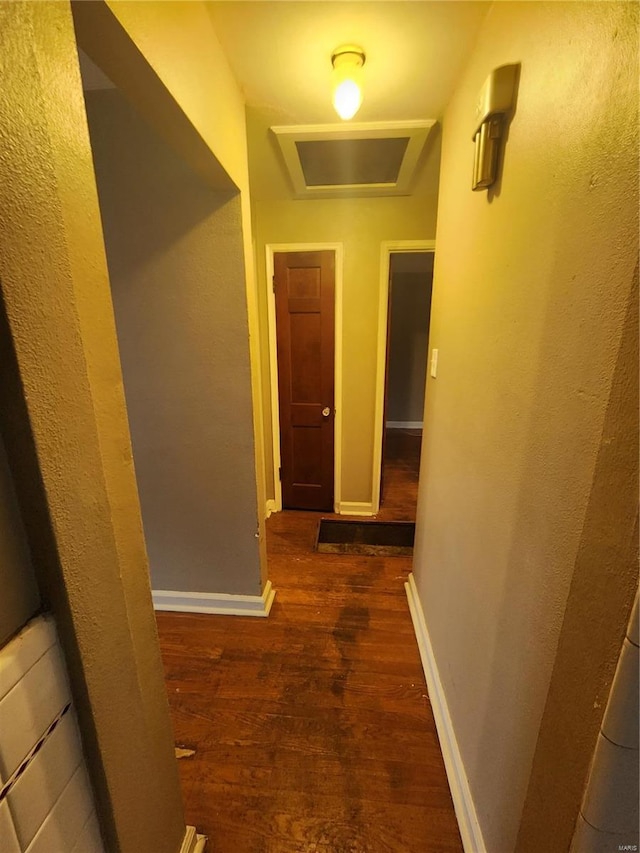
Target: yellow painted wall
{"type": "Point", "coordinates": [179, 42]}
{"type": "Point", "coordinates": [361, 225]}
{"type": "Point", "coordinates": [66, 431]}
{"type": "Point", "coordinates": [528, 486]}
{"type": "Point", "coordinates": [20, 598]}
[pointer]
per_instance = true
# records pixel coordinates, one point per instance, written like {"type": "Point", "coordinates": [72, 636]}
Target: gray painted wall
{"type": "Point", "coordinates": [408, 340]}
{"type": "Point", "coordinates": [528, 482]}
{"type": "Point", "coordinates": [174, 250]}
{"type": "Point", "coordinates": [19, 598]}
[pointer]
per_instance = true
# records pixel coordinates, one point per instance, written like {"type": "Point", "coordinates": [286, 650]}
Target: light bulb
{"type": "Point", "coordinates": [347, 99]}
{"type": "Point", "coordinates": [347, 63]}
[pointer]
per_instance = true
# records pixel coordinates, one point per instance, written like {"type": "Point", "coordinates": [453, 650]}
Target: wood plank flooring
{"type": "Point", "coordinates": [401, 469]}
{"type": "Point", "coordinates": [312, 729]}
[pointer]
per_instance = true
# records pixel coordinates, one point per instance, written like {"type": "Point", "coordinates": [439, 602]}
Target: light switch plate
{"type": "Point", "coordinates": [434, 363]}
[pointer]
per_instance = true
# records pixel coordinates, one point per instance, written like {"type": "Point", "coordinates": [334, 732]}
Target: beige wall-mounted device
{"type": "Point", "coordinates": [495, 103]}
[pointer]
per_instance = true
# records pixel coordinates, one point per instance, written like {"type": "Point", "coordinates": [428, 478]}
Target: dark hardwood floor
{"type": "Point", "coordinates": [401, 469]}
{"type": "Point", "coordinates": [312, 729]}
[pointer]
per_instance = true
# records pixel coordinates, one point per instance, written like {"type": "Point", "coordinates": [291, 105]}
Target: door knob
{"type": "Point", "coordinates": [326, 412]}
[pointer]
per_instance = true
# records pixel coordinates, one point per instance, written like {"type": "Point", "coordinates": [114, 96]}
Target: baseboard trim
{"type": "Point", "coordinates": [470, 830]}
{"type": "Point", "coordinates": [216, 603]}
{"type": "Point", "coordinates": [355, 508]}
{"type": "Point", "coordinates": [270, 507]}
{"type": "Point", "coordinates": [404, 424]}
{"type": "Point", "coordinates": [192, 841]}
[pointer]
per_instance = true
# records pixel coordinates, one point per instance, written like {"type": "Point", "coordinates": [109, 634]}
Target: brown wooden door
{"type": "Point", "coordinates": [304, 288]}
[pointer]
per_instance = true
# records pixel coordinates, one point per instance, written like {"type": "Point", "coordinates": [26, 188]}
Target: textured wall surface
{"type": "Point", "coordinates": [66, 430]}
{"type": "Point", "coordinates": [19, 597]}
{"type": "Point", "coordinates": [361, 225]}
{"type": "Point", "coordinates": [175, 256]}
{"type": "Point", "coordinates": [180, 44]}
{"type": "Point", "coordinates": [166, 58]}
{"type": "Point", "coordinates": [526, 509]}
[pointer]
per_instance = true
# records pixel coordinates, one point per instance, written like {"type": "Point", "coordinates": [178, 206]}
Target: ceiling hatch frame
{"type": "Point", "coordinates": [416, 132]}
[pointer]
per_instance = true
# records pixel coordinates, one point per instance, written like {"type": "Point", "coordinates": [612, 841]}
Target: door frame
{"type": "Point", "coordinates": [387, 248]}
{"type": "Point", "coordinates": [271, 249]}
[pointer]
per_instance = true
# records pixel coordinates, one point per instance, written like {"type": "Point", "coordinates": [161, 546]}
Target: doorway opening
{"type": "Point", "coordinates": [405, 308]}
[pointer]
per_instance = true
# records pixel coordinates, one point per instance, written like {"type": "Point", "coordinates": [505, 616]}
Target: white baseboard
{"type": "Point", "coordinates": [270, 507]}
{"type": "Point", "coordinates": [404, 424]}
{"type": "Point", "coordinates": [355, 508]}
{"type": "Point", "coordinates": [192, 842]}
{"type": "Point", "coordinates": [470, 830]}
{"type": "Point", "coordinates": [218, 603]}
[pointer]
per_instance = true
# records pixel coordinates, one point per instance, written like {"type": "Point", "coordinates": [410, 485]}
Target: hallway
{"type": "Point", "coordinates": [312, 730]}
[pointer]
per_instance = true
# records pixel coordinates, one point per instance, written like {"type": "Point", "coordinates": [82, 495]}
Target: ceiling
{"type": "Point", "coordinates": [345, 158]}
{"type": "Point", "coordinates": [280, 53]}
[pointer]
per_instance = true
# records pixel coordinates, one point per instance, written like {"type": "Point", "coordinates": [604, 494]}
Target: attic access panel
{"type": "Point", "coordinates": [367, 159]}
{"type": "Point", "coordinates": [348, 162]}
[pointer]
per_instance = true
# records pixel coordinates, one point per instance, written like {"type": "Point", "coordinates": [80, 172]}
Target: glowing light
{"type": "Point", "coordinates": [347, 99]}
{"type": "Point", "coordinates": [347, 64]}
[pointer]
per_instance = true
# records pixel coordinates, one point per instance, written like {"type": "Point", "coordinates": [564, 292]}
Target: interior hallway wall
{"type": "Point", "coordinates": [175, 255]}
{"type": "Point", "coordinates": [361, 225]}
{"type": "Point", "coordinates": [524, 555]}
{"type": "Point", "coordinates": [167, 51]}
{"type": "Point", "coordinates": [67, 438]}
{"type": "Point", "coordinates": [19, 596]}
{"type": "Point", "coordinates": [410, 308]}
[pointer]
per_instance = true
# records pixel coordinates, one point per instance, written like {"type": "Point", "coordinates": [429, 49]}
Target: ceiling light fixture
{"type": "Point", "coordinates": [347, 62]}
